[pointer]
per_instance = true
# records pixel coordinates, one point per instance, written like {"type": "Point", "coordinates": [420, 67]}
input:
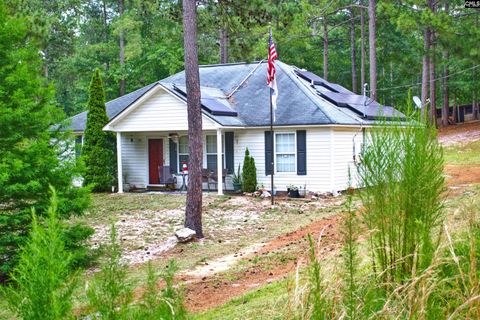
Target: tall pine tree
{"type": "Point", "coordinates": [30, 149]}
{"type": "Point", "coordinates": [98, 148]}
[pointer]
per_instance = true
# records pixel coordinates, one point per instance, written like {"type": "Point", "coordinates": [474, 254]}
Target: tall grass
{"type": "Point", "coordinates": [42, 282]}
{"type": "Point", "coordinates": [417, 268]}
{"type": "Point", "coordinates": [402, 183]}
{"type": "Point", "coordinates": [350, 257]}
{"type": "Point", "coordinates": [110, 295]}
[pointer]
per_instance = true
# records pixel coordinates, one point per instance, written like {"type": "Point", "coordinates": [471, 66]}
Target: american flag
{"type": "Point", "coordinates": [271, 80]}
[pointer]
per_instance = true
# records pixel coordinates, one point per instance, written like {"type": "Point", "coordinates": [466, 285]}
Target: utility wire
{"type": "Point", "coordinates": [436, 79]}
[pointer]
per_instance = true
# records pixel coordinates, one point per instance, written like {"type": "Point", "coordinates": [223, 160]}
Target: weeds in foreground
{"type": "Point", "coordinates": [42, 282]}
{"type": "Point", "coordinates": [111, 296]}
{"type": "Point", "coordinates": [418, 270]}
{"type": "Point", "coordinates": [402, 178]}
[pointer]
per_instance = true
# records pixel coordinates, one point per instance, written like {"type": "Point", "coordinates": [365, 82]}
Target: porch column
{"type": "Point", "coordinates": [219, 162]}
{"type": "Point", "coordinates": [119, 163]}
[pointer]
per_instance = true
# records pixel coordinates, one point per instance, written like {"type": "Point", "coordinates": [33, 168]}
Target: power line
{"type": "Point", "coordinates": [440, 78]}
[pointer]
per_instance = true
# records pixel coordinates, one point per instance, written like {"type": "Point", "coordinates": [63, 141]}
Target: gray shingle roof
{"type": "Point", "coordinates": [244, 90]}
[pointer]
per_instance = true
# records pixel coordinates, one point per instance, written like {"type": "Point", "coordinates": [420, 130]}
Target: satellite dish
{"type": "Point", "coordinates": [418, 102]}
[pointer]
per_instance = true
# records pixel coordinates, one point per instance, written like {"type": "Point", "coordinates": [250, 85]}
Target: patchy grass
{"type": "Point", "coordinates": [4, 312]}
{"type": "Point", "coordinates": [267, 302]}
{"type": "Point", "coordinates": [231, 223]}
{"type": "Point", "coordinates": [468, 153]}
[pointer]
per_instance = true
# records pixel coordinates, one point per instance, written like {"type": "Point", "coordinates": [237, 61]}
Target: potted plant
{"type": "Point", "coordinates": [293, 191]}
{"type": "Point", "coordinates": [237, 180]}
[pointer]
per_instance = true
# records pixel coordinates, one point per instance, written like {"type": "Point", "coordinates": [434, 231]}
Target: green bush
{"type": "Point", "coordinates": [42, 281]}
{"type": "Point", "coordinates": [75, 237]}
{"type": "Point", "coordinates": [98, 151]}
{"type": "Point", "coordinates": [109, 294]}
{"type": "Point", "coordinates": [32, 147]}
{"type": "Point", "coordinates": [249, 173]}
{"type": "Point", "coordinates": [160, 304]}
{"type": "Point", "coordinates": [402, 178]}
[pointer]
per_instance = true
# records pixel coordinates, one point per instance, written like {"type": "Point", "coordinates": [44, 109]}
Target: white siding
{"type": "Point", "coordinates": [344, 139]}
{"type": "Point", "coordinates": [329, 155]}
{"type": "Point", "coordinates": [318, 159]}
{"type": "Point", "coordinates": [161, 112]}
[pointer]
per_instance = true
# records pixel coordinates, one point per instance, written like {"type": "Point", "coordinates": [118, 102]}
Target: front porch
{"type": "Point", "coordinates": [143, 156]}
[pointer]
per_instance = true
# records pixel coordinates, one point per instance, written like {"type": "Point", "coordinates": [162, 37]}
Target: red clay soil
{"type": "Point", "coordinates": [206, 293]}
{"type": "Point", "coordinates": [462, 174]}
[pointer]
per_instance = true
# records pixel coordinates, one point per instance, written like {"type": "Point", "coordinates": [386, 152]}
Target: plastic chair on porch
{"type": "Point", "coordinates": [166, 177]}
{"type": "Point", "coordinates": [224, 176]}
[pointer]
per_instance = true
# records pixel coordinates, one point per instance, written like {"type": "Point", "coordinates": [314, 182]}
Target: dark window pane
{"type": "Point", "coordinates": [78, 146]}
{"type": "Point", "coordinates": [212, 162]}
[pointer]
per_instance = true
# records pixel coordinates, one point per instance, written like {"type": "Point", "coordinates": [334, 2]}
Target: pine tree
{"type": "Point", "coordinates": [98, 149]}
{"type": "Point", "coordinates": [29, 146]}
{"type": "Point", "coordinates": [249, 173]}
{"type": "Point", "coordinates": [193, 209]}
{"type": "Point", "coordinates": [42, 281]}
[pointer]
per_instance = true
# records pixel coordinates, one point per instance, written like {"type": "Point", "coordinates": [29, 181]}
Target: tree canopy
{"type": "Point", "coordinates": [77, 36]}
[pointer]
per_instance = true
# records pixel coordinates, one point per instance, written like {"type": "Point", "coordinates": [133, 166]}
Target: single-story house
{"type": "Point", "coordinates": [318, 130]}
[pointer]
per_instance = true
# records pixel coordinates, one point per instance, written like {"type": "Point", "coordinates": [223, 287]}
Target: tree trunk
{"type": "Point", "coordinates": [474, 96]}
{"type": "Point", "coordinates": [392, 97]}
{"type": "Point", "coordinates": [475, 106]}
{"type": "Point", "coordinates": [105, 30]}
{"type": "Point", "coordinates": [354, 51]}
{"type": "Point", "coordinates": [122, 52]}
{"type": "Point", "coordinates": [372, 43]}
{"type": "Point", "coordinates": [454, 111]}
{"type": "Point", "coordinates": [193, 210]}
{"type": "Point", "coordinates": [224, 45]}
{"type": "Point", "coordinates": [446, 105]}
{"type": "Point", "coordinates": [363, 54]}
{"type": "Point", "coordinates": [425, 66]}
{"type": "Point", "coordinates": [433, 104]}
{"type": "Point", "coordinates": [325, 48]}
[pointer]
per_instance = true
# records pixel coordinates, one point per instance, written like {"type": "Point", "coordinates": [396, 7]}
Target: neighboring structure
{"type": "Point", "coordinates": [319, 127]}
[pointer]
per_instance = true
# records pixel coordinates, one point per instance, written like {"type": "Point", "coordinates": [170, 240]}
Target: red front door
{"type": "Point", "coordinates": [155, 159]}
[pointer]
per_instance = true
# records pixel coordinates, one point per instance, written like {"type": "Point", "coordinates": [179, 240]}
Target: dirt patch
{"type": "Point", "coordinates": [460, 133]}
{"type": "Point", "coordinates": [460, 177]}
{"type": "Point", "coordinates": [210, 291]}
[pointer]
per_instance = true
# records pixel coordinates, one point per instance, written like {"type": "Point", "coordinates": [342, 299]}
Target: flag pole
{"type": "Point", "coordinates": [271, 136]}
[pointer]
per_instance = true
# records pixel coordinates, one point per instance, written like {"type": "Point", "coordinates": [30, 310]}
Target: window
{"type": "Point", "coordinates": [285, 152]}
{"type": "Point", "coordinates": [78, 146]}
{"type": "Point", "coordinates": [211, 152]}
{"type": "Point", "coordinates": [182, 152]}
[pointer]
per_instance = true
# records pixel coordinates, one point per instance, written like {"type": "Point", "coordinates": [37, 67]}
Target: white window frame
{"type": "Point", "coordinates": [181, 153]}
{"type": "Point", "coordinates": [213, 153]}
{"type": "Point", "coordinates": [294, 153]}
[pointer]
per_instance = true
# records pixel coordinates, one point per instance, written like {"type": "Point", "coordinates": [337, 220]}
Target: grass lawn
{"type": "Point", "coordinates": [268, 302]}
{"type": "Point", "coordinates": [463, 154]}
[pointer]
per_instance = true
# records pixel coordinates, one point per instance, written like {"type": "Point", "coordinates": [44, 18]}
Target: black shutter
{"type": "Point", "coordinates": [173, 156]}
{"type": "Point", "coordinates": [268, 153]}
{"type": "Point", "coordinates": [229, 152]}
{"type": "Point", "coordinates": [301, 152]}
